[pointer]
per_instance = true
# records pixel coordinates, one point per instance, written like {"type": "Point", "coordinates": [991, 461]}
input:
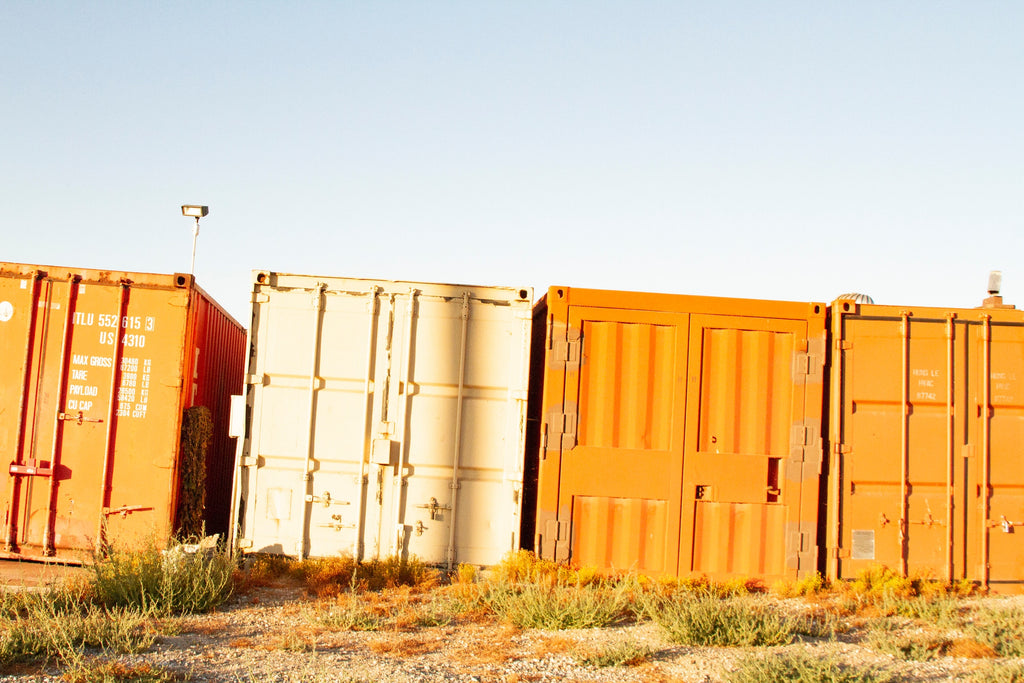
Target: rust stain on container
{"type": "Point", "coordinates": [926, 429]}
{"type": "Point", "coordinates": [98, 368]}
{"type": "Point", "coordinates": [676, 435]}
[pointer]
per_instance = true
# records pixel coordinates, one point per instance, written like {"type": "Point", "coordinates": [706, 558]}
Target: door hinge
{"type": "Point", "coordinates": [801, 550]}
{"type": "Point", "coordinates": [561, 426]}
{"type": "Point", "coordinates": [568, 351]}
{"type": "Point", "coordinates": [806, 367]}
{"type": "Point", "coordinates": [804, 452]}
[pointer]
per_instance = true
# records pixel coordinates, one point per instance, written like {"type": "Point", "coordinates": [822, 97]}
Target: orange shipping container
{"type": "Point", "coordinates": [677, 435]}
{"type": "Point", "coordinates": [82, 467]}
{"type": "Point", "coordinates": [927, 424]}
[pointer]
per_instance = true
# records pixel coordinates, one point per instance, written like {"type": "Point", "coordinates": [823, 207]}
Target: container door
{"type": "Point", "coordinates": [84, 446]}
{"type": "Point", "coordinates": [452, 489]}
{"type": "Point", "coordinates": [388, 421]}
{"type": "Point", "coordinates": [898, 473]}
{"type": "Point", "coordinates": [995, 510]}
{"type": "Point", "coordinates": [310, 380]}
{"type": "Point", "coordinates": [747, 441]}
{"type": "Point", "coordinates": [621, 468]}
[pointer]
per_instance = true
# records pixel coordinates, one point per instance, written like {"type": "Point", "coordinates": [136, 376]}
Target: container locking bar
{"type": "Point", "coordinates": [77, 419]}
{"type": "Point", "coordinates": [325, 499]}
{"type": "Point", "coordinates": [126, 510]}
{"type": "Point", "coordinates": [434, 507]}
{"type": "Point", "coordinates": [32, 468]}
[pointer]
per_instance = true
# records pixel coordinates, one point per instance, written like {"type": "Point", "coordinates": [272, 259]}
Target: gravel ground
{"type": "Point", "coordinates": [269, 634]}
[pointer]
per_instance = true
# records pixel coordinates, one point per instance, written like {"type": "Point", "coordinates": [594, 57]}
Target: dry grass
{"type": "Point", "coordinates": [404, 646]}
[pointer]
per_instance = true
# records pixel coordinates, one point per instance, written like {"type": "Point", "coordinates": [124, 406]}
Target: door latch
{"type": "Point", "coordinates": [434, 507]}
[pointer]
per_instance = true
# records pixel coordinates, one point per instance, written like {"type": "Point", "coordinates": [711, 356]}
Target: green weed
{"type": "Point", "coordinates": [619, 654]}
{"type": "Point", "coordinates": [555, 606]}
{"type": "Point", "coordinates": [703, 619]}
{"type": "Point", "coordinates": [171, 582]}
{"type": "Point", "coordinates": [1012, 672]}
{"type": "Point", "coordinates": [1000, 629]}
{"type": "Point", "coordinates": [805, 667]}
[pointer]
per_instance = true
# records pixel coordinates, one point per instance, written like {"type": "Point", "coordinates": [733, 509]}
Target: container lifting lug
{"type": "Point", "coordinates": [434, 507]}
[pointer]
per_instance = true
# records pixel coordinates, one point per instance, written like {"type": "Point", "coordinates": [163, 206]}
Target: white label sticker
{"type": "Point", "coordinates": [6, 311]}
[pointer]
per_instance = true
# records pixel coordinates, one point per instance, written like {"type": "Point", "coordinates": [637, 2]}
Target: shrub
{"type": "Point", "coordinates": [330, 576]}
{"type": "Point", "coordinates": [171, 582]}
{"type": "Point", "coordinates": [885, 636]}
{"type": "Point", "coordinates": [555, 606]}
{"type": "Point", "coordinates": [1001, 673]}
{"type": "Point", "coordinates": [1000, 629]}
{"type": "Point", "coordinates": [805, 667]}
{"type": "Point", "coordinates": [50, 627]}
{"type": "Point", "coordinates": [619, 654]}
{"type": "Point", "coordinates": [703, 619]}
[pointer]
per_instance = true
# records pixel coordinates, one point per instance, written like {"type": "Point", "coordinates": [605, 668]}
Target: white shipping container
{"type": "Point", "coordinates": [383, 418]}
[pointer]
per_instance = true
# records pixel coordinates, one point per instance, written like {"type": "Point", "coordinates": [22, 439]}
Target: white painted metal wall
{"type": "Point", "coordinates": [383, 418]}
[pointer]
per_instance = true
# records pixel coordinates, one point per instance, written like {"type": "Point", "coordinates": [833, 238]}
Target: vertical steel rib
{"type": "Point", "coordinates": [12, 516]}
{"type": "Point", "coordinates": [986, 446]}
{"type": "Point", "coordinates": [314, 382]}
{"type": "Point", "coordinates": [904, 451]}
{"type": "Point", "coordinates": [51, 507]}
{"type": "Point", "coordinates": [836, 474]}
{"type": "Point", "coordinates": [454, 486]}
{"type": "Point", "coordinates": [403, 445]}
{"type": "Point", "coordinates": [950, 336]}
{"type": "Point", "coordinates": [108, 441]}
{"type": "Point", "coordinates": [357, 545]}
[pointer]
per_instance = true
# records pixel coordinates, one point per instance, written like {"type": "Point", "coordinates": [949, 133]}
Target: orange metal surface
{"type": "Point", "coordinates": [926, 429]}
{"type": "Point", "coordinates": [675, 434]}
{"type": "Point", "coordinates": [97, 368]}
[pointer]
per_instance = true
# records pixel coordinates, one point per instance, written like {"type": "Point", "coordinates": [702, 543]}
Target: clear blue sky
{"type": "Point", "coordinates": [789, 150]}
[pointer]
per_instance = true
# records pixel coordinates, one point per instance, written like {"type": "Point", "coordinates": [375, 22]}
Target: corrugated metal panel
{"type": "Point", "coordinates": [91, 410]}
{"type": "Point", "coordinates": [639, 375]}
{"type": "Point", "coordinates": [386, 418]}
{"type": "Point", "coordinates": [711, 407]}
{"type": "Point", "coordinates": [733, 538]}
{"type": "Point", "coordinates": [621, 533]}
{"type": "Point", "coordinates": [927, 422]}
{"type": "Point", "coordinates": [216, 370]}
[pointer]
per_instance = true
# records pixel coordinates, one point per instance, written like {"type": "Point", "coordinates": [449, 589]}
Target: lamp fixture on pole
{"type": "Point", "coordinates": [195, 211]}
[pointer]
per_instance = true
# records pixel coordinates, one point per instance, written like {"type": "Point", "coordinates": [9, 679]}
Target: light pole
{"type": "Point", "coordinates": [195, 211]}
